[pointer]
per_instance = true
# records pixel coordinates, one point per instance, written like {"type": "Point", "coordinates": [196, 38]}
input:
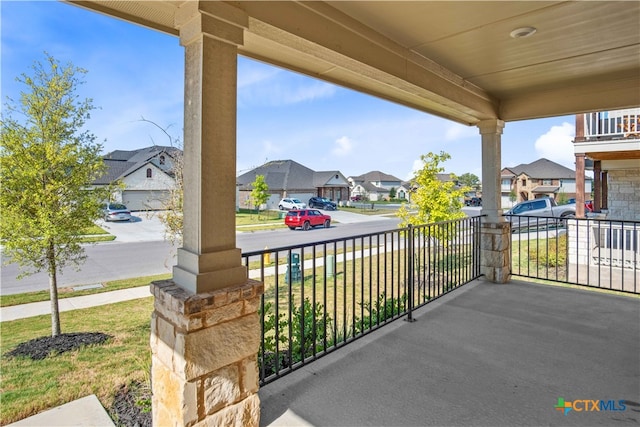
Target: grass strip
{"type": "Point", "coordinates": [114, 285]}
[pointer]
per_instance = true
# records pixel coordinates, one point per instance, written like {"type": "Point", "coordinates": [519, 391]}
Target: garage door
{"type": "Point", "coordinates": [139, 200]}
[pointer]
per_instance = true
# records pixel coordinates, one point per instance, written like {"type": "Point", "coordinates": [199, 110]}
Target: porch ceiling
{"type": "Point", "coordinates": [451, 59]}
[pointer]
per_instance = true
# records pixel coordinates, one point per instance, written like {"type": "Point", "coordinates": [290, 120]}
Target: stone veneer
{"type": "Point", "coordinates": [495, 251]}
{"type": "Point", "coordinates": [204, 355]}
{"type": "Point", "coordinates": [624, 191]}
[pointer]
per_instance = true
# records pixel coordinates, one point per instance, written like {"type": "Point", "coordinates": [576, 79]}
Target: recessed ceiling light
{"type": "Point", "coordinates": [519, 33]}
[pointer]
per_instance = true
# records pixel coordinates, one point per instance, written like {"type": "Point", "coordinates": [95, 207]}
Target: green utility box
{"type": "Point", "coordinates": [293, 273]}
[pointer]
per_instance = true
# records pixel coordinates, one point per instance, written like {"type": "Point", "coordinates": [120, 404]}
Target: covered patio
{"type": "Point", "coordinates": [483, 355]}
{"type": "Point", "coordinates": [481, 64]}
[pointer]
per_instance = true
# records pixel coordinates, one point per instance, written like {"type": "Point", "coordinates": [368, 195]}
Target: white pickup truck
{"type": "Point", "coordinates": [539, 212]}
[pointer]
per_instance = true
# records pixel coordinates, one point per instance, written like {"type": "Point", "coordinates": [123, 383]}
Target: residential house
{"type": "Point", "coordinates": [376, 185]}
{"type": "Point", "coordinates": [147, 176]}
{"type": "Point", "coordinates": [542, 178]}
{"type": "Point", "coordinates": [608, 142]}
{"type": "Point", "coordinates": [286, 178]}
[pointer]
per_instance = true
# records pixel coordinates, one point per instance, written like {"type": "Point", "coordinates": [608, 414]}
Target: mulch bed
{"type": "Point", "coordinates": [40, 348]}
{"type": "Point", "coordinates": [132, 404]}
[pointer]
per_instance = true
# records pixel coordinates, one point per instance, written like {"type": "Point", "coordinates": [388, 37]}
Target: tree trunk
{"type": "Point", "coordinates": [53, 290]}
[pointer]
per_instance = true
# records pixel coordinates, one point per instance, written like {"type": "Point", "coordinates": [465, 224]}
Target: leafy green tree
{"type": "Point", "coordinates": [392, 193]}
{"type": "Point", "coordinates": [562, 198]}
{"type": "Point", "coordinates": [433, 200]}
{"type": "Point", "coordinates": [260, 192]}
{"type": "Point", "coordinates": [48, 162]}
{"type": "Point", "coordinates": [469, 180]}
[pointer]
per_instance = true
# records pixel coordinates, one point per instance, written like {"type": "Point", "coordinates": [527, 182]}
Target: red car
{"type": "Point", "coordinates": [306, 218]}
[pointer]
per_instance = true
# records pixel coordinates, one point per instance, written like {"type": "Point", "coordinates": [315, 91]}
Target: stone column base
{"type": "Point", "coordinates": [495, 251]}
{"type": "Point", "coordinates": [204, 355]}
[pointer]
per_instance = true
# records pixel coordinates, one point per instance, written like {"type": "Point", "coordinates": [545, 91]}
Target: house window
{"type": "Point", "coordinates": [161, 160]}
{"type": "Point", "coordinates": [547, 182]}
{"type": "Point", "coordinates": [149, 173]}
{"type": "Point", "coordinates": [524, 182]}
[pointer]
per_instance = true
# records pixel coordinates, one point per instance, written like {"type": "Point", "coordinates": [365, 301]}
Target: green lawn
{"type": "Point", "coordinates": [29, 386]}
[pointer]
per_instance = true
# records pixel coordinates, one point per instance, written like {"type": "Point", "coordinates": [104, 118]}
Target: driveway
{"type": "Point", "coordinates": [144, 227]}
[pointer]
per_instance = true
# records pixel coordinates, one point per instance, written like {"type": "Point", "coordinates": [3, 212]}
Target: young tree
{"type": "Point", "coordinates": [171, 215]}
{"type": "Point", "coordinates": [433, 200]}
{"type": "Point", "coordinates": [260, 192]}
{"type": "Point", "coordinates": [392, 193]}
{"type": "Point", "coordinates": [48, 163]}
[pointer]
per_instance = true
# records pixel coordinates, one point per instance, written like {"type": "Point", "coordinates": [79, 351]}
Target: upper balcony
{"type": "Point", "coordinates": [609, 135]}
{"type": "Point", "coordinates": [610, 125]}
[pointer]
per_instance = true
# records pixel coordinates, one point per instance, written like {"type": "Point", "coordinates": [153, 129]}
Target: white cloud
{"type": "Point", "coordinates": [556, 145]}
{"type": "Point", "coordinates": [262, 85]}
{"type": "Point", "coordinates": [457, 131]}
{"type": "Point", "coordinates": [251, 75]}
{"type": "Point", "coordinates": [342, 147]}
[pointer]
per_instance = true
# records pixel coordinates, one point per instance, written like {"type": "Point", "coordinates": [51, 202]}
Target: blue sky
{"type": "Point", "coordinates": [134, 72]}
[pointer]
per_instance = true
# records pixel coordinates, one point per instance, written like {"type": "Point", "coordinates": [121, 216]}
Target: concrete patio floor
{"type": "Point", "coordinates": [484, 355]}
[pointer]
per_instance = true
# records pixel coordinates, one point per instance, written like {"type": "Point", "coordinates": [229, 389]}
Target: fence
{"type": "Point", "coordinates": [587, 252]}
{"type": "Point", "coordinates": [319, 297]}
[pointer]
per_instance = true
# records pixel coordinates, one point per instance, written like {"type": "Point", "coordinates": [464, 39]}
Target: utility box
{"type": "Point", "coordinates": [293, 273]}
{"type": "Point", "coordinates": [329, 266]}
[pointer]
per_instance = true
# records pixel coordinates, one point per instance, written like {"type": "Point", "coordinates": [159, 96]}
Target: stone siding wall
{"type": "Point", "coordinates": [624, 194]}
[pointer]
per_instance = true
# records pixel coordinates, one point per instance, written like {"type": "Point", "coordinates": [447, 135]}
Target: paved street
{"type": "Point", "coordinates": [140, 250]}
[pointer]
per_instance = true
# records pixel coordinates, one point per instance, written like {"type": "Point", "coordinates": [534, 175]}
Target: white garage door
{"type": "Point", "coordinates": [139, 200]}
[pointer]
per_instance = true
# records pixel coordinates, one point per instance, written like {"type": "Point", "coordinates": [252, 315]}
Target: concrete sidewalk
{"type": "Point", "coordinates": [73, 303]}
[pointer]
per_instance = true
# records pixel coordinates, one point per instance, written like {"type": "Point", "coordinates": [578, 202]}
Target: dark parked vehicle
{"type": "Point", "coordinates": [306, 218]}
{"type": "Point", "coordinates": [474, 201]}
{"type": "Point", "coordinates": [322, 203]}
{"type": "Point", "coordinates": [116, 212]}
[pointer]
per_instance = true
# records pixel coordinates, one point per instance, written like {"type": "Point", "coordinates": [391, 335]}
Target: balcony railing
{"type": "Point", "coordinates": [588, 252]}
{"type": "Point", "coordinates": [617, 124]}
{"type": "Point", "coordinates": [321, 296]}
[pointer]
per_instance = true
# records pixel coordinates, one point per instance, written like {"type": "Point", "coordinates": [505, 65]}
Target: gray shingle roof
{"type": "Point", "coordinates": [287, 175]}
{"type": "Point", "coordinates": [121, 163]}
{"type": "Point", "coordinates": [375, 176]}
{"type": "Point", "coordinates": [546, 189]}
{"type": "Point", "coordinates": [543, 168]}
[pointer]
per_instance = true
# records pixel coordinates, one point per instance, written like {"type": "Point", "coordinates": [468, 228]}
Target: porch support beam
{"type": "Point", "coordinates": [580, 196]}
{"type": "Point", "coordinates": [597, 183]}
{"type": "Point", "coordinates": [495, 239]}
{"type": "Point", "coordinates": [205, 327]}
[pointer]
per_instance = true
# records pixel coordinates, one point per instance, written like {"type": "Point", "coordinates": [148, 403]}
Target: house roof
{"type": "Point", "coordinates": [375, 176]}
{"type": "Point", "coordinates": [288, 175]}
{"type": "Point", "coordinates": [541, 168]}
{"type": "Point", "coordinates": [121, 163]}
{"type": "Point", "coordinates": [546, 189]}
{"type": "Point", "coordinates": [322, 178]}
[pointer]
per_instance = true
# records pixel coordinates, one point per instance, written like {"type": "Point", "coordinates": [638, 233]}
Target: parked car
{"type": "Point", "coordinates": [356, 198]}
{"type": "Point", "coordinates": [291, 203]}
{"type": "Point", "coordinates": [306, 219]}
{"type": "Point", "coordinates": [116, 212]}
{"type": "Point", "coordinates": [473, 201]}
{"type": "Point", "coordinates": [322, 203]}
{"type": "Point", "coordinates": [545, 210]}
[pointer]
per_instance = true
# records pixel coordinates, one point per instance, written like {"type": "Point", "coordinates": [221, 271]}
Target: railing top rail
{"type": "Point", "coordinates": [355, 237]}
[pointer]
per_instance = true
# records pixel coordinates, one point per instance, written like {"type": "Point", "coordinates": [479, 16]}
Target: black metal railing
{"type": "Point", "coordinates": [588, 252]}
{"type": "Point", "coordinates": [321, 296]}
